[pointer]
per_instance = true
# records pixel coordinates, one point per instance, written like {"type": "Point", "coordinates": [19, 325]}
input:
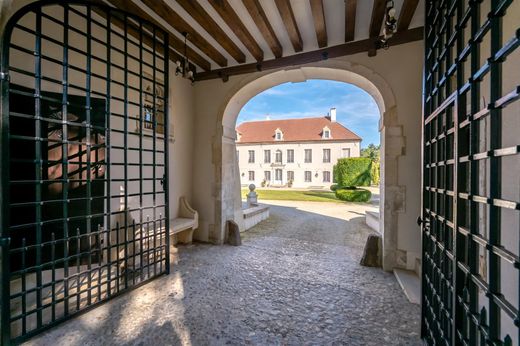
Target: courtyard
{"type": "Point", "coordinates": [294, 281]}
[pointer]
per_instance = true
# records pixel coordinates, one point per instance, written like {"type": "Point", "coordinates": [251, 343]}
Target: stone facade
{"type": "Point", "coordinates": [279, 173]}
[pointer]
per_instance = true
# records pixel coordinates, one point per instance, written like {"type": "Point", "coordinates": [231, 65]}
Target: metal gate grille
{"type": "Point", "coordinates": [84, 161]}
{"type": "Point", "coordinates": [471, 185]}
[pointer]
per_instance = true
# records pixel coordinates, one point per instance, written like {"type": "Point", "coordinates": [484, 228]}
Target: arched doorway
{"type": "Point", "coordinates": [228, 202]}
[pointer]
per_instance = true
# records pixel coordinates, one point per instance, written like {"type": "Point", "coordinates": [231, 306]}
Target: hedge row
{"type": "Point", "coordinates": [353, 171]}
{"type": "Point", "coordinates": [353, 195]}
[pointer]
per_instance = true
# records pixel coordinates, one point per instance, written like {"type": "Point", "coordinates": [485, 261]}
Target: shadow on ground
{"type": "Point", "coordinates": [295, 280]}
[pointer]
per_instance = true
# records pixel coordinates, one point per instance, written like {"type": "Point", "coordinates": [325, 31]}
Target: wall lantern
{"type": "Point", "coordinates": [390, 24]}
{"type": "Point", "coordinates": [183, 67]}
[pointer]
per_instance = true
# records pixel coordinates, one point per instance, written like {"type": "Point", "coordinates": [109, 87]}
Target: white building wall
{"type": "Point", "coordinates": [299, 166]}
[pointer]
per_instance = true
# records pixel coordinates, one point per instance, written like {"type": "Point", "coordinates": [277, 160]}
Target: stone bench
{"type": "Point", "coordinates": [185, 224]}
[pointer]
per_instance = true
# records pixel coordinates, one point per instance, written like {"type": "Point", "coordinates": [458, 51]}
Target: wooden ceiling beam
{"type": "Point", "coordinates": [262, 22]}
{"type": "Point", "coordinates": [406, 15]}
{"type": "Point", "coordinates": [318, 14]}
{"type": "Point", "coordinates": [227, 13]}
{"type": "Point", "coordinates": [344, 49]}
{"type": "Point", "coordinates": [163, 10]}
{"type": "Point", "coordinates": [197, 12]}
{"type": "Point", "coordinates": [287, 14]}
{"type": "Point", "coordinates": [376, 22]}
{"type": "Point", "coordinates": [134, 31]}
{"type": "Point", "coordinates": [378, 15]}
{"type": "Point", "coordinates": [175, 42]}
{"type": "Point", "coordinates": [350, 19]}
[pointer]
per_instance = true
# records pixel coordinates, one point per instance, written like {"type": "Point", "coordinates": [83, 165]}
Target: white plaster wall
{"type": "Point", "coordinates": [299, 166]}
{"type": "Point", "coordinates": [182, 102]}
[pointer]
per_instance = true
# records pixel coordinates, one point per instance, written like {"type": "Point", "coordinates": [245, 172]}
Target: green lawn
{"type": "Point", "coordinates": [294, 195]}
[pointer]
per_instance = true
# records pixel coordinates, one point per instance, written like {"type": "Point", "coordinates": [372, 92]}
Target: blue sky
{"type": "Point", "coordinates": [356, 109]}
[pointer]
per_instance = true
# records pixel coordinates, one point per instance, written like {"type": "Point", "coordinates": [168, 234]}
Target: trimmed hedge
{"type": "Point", "coordinates": [334, 187]}
{"type": "Point", "coordinates": [353, 171]}
{"type": "Point", "coordinates": [354, 195]}
{"type": "Point", "coordinates": [375, 172]}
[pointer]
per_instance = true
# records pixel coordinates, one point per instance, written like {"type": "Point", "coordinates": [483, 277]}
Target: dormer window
{"type": "Point", "coordinates": [278, 135]}
{"type": "Point", "coordinates": [326, 134]}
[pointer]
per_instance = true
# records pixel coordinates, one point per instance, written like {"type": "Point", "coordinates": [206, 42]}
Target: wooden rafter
{"type": "Point", "coordinates": [406, 15]}
{"type": "Point", "coordinates": [134, 31]}
{"type": "Point", "coordinates": [350, 19]}
{"type": "Point", "coordinates": [287, 14]}
{"type": "Point", "coordinates": [378, 15]}
{"type": "Point", "coordinates": [227, 13]}
{"type": "Point", "coordinates": [163, 10]}
{"type": "Point", "coordinates": [344, 49]}
{"type": "Point", "coordinates": [318, 14]}
{"type": "Point", "coordinates": [175, 42]}
{"type": "Point", "coordinates": [204, 19]}
{"type": "Point", "coordinates": [262, 22]}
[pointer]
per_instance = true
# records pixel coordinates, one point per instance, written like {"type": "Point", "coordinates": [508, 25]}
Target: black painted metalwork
{"type": "Point", "coordinates": [84, 145]}
{"type": "Point", "coordinates": [471, 192]}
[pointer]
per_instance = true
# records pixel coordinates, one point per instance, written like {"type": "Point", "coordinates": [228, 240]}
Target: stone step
{"type": "Point", "coordinates": [410, 283]}
{"type": "Point", "coordinates": [372, 220]}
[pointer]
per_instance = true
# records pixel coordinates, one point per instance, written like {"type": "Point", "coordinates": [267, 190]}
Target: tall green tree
{"type": "Point", "coordinates": [372, 152]}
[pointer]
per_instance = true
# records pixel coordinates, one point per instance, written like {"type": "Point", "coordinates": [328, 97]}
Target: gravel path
{"type": "Point", "coordinates": [294, 281]}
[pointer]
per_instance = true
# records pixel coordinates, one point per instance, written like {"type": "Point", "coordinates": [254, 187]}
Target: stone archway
{"type": "Point", "coordinates": [227, 179]}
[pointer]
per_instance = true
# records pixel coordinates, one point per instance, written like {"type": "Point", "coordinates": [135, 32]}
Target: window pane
{"type": "Point", "coordinates": [326, 177]}
{"type": "Point", "coordinates": [326, 155]}
{"type": "Point", "coordinates": [308, 155]}
{"type": "Point", "coordinates": [278, 156]}
{"type": "Point", "coordinates": [290, 156]}
{"type": "Point", "coordinates": [267, 156]}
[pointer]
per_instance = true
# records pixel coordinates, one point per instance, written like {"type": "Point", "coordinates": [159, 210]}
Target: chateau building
{"type": "Point", "coordinates": [293, 152]}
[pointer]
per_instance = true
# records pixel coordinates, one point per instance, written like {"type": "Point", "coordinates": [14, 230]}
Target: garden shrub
{"type": "Point", "coordinates": [354, 195]}
{"type": "Point", "coordinates": [375, 172]}
{"type": "Point", "coordinates": [334, 187]}
{"type": "Point", "coordinates": [353, 171]}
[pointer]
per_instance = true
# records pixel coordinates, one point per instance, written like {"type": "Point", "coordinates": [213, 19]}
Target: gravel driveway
{"type": "Point", "coordinates": [294, 281]}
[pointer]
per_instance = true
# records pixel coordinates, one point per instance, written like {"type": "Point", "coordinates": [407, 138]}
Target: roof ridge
{"type": "Point", "coordinates": [289, 119]}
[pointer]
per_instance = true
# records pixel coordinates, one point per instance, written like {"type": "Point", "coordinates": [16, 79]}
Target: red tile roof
{"type": "Point", "coordinates": [294, 130]}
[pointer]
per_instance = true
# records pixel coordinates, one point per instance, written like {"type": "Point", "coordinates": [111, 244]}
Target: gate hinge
{"type": "Point", "coordinates": [5, 242]}
{"type": "Point", "coordinates": [4, 76]}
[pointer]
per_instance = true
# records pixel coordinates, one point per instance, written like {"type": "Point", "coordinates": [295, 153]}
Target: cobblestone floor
{"type": "Point", "coordinates": [294, 281]}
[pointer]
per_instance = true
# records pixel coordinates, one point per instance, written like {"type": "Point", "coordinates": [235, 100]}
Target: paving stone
{"type": "Point", "coordinates": [296, 280]}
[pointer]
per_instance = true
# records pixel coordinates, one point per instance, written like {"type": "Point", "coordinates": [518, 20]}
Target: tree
{"type": "Point", "coordinates": [372, 152]}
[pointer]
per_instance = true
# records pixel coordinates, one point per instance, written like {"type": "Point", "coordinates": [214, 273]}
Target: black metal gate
{"type": "Point", "coordinates": [471, 186]}
{"type": "Point", "coordinates": [84, 158]}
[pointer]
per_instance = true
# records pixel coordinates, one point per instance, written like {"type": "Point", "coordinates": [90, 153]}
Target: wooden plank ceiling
{"type": "Point", "coordinates": [230, 37]}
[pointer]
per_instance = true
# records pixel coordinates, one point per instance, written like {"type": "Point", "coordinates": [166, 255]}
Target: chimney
{"type": "Point", "coordinates": [332, 115]}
